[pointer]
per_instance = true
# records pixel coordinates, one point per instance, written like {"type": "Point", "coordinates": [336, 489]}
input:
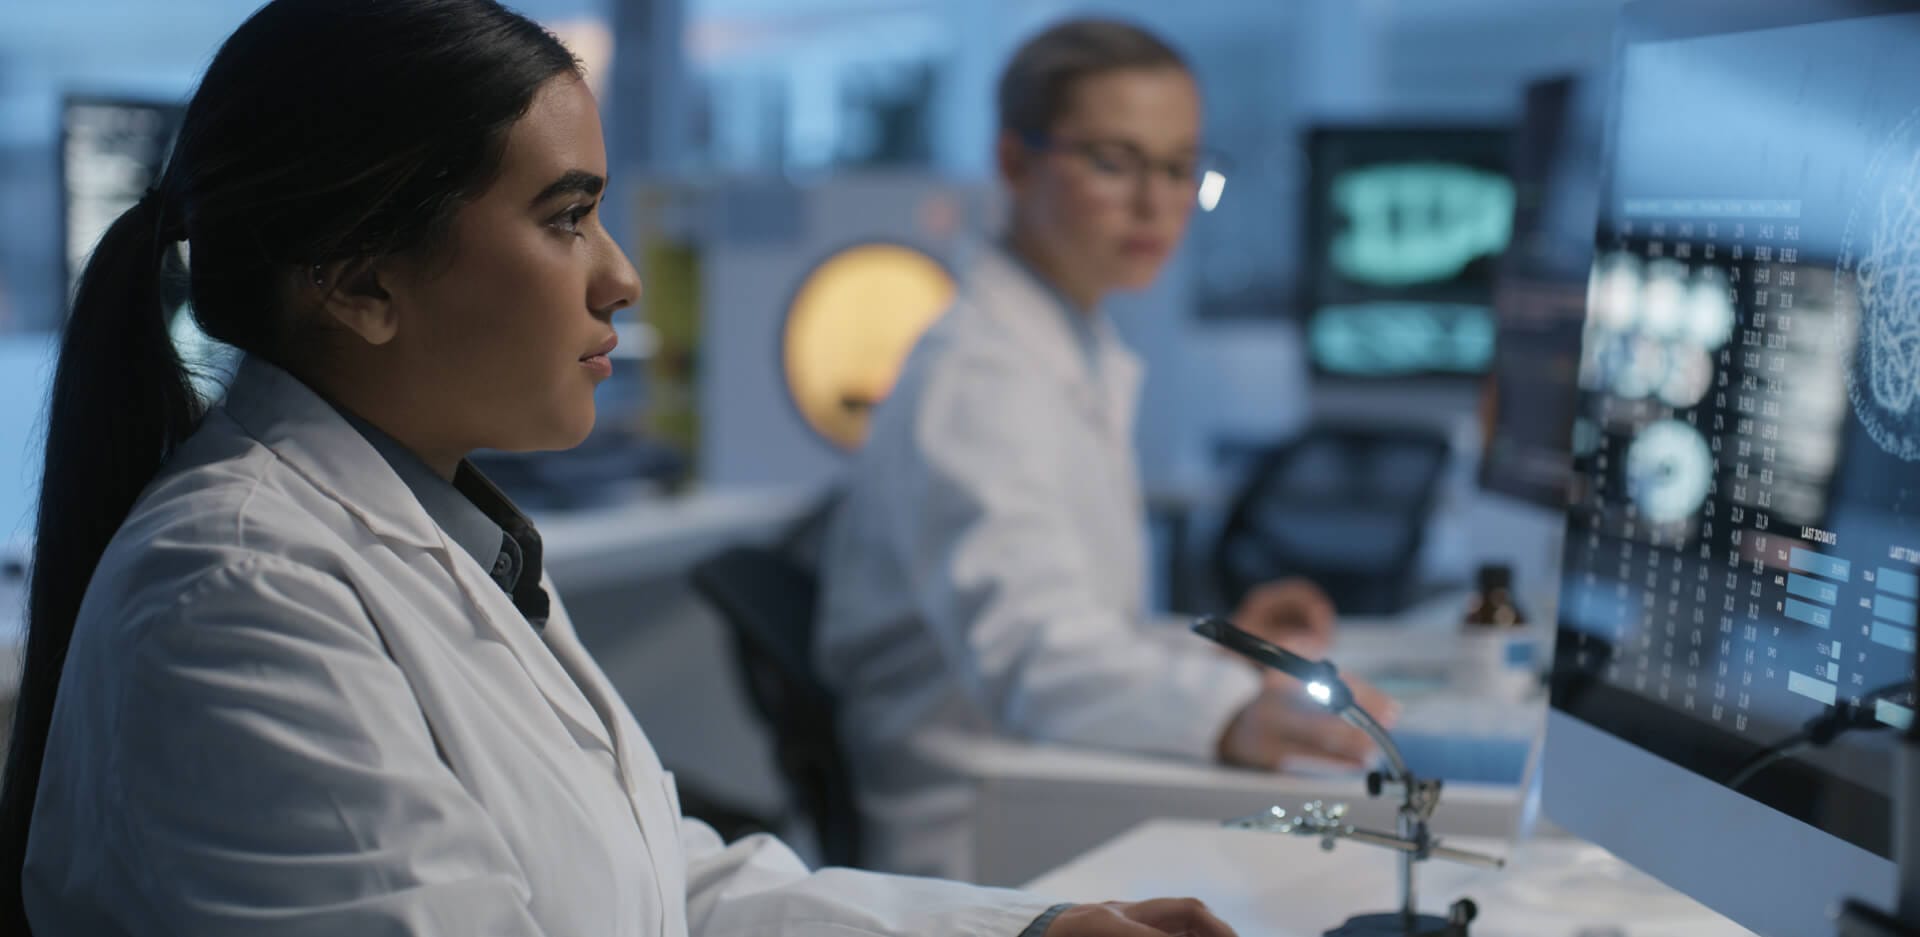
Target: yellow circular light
{"type": "Point", "coordinates": [849, 329]}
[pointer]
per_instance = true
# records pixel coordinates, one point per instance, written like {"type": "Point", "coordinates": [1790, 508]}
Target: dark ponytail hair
{"type": "Point", "coordinates": [324, 132]}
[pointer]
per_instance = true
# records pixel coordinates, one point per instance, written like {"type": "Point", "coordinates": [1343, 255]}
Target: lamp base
{"type": "Point", "coordinates": [1395, 924]}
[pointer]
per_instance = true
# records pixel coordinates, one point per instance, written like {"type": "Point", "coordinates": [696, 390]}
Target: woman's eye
{"type": "Point", "coordinates": [1106, 157]}
{"type": "Point", "coordinates": [571, 219]}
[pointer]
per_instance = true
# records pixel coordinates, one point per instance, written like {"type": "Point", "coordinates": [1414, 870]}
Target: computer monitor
{"type": "Point", "coordinates": [1742, 559]}
{"type": "Point", "coordinates": [1404, 226]}
{"type": "Point", "coordinates": [111, 150]}
{"type": "Point", "coordinates": [1540, 293]}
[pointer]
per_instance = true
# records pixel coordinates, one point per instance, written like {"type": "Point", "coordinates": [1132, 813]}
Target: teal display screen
{"type": "Point", "coordinates": [1405, 228]}
{"type": "Point", "coordinates": [1411, 223]}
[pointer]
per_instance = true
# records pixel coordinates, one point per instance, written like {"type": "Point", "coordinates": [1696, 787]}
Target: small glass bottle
{"type": "Point", "coordinates": [1499, 650]}
{"type": "Point", "coordinates": [1493, 605]}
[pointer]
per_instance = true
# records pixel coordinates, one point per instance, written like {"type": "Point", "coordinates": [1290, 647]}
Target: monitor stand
{"type": "Point", "coordinates": [1858, 919]}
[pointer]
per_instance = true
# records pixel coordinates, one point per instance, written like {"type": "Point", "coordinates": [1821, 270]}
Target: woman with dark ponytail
{"type": "Point", "coordinates": [293, 666]}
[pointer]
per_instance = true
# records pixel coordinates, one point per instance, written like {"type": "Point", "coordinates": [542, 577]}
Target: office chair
{"type": "Point", "coordinates": [1344, 506]}
{"type": "Point", "coordinates": [767, 599]}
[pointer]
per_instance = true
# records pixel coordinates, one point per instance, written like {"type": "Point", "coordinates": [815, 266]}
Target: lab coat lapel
{"type": "Point", "coordinates": [1121, 373]}
{"type": "Point", "coordinates": [315, 440]}
{"type": "Point", "coordinates": [634, 753]}
{"type": "Point", "coordinates": [650, 789]}
{"type": "Point", "coordinates": [565, 673]}
{"type": "Point", "coordinates": [567, 698]}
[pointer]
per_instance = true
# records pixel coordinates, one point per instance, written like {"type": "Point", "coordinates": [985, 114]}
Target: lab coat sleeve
{"type": "Point", "coordinates": [1005, 583]}
{"type": "Point", "coordinates": [757, 887]}
{"type": "Point", "coordinates": [278, 777]}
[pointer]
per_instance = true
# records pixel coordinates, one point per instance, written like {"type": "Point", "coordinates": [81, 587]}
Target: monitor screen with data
{"type": "Point", "coordinates": [1742, 557]}
{"type": "Point", "coordinates": [1405, 225]}
{"type": "Point", "coordinates": [111, 150]}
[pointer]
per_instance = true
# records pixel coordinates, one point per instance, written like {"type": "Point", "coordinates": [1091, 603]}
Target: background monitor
{"type": "Point", "coordinates": [1742, 558]}
{"type": "Point", "coordinates": [1404, 227]}
{"type": "Point", "coordinates": [111, 150]}
{"type": "Point", "coordinates": [1540, 292]}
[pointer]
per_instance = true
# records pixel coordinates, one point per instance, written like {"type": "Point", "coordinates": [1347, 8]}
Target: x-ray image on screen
{"type": "Point", "coordinates": [1404, 228]}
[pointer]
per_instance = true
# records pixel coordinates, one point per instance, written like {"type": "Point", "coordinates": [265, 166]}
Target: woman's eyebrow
{"type": "Point", "coordinates": [573, 181]}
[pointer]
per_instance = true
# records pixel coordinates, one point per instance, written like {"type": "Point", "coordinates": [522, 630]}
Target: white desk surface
{"type": "Point", "coordinates": [1268, 885]}
{"type": "Point", "coordinates": [1036, 806]}
{"type": "Point", "coordinates": [660, 536]}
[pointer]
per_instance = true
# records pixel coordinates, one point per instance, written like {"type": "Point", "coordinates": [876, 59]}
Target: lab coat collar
{"type": "Point", "coordinates": [1014, 298]}
{"type": "Point", "coordinates": [313, 438]}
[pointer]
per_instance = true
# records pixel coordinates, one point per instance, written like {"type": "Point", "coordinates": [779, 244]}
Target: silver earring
{"type": "Point", "coordinates": [319, 277]}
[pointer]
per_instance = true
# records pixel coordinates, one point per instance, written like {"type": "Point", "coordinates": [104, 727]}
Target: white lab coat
{"type": "Point", "coordinates": [985, 573]}
{"type": "Point", "coordinates": [293, 707]}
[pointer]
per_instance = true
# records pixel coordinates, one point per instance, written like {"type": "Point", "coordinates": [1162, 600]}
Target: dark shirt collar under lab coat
{"type": "Point", "coordinates": [476, 516]}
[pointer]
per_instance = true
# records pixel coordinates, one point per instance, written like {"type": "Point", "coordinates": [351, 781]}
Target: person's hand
{"type": "Point", "coordinates": [1292, 613]}
{"type": "Point", "coordinates": [1161, 917]}
{"type": "Point", "coordinates": [1282, 724]}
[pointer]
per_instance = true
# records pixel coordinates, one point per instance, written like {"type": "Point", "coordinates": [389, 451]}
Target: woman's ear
{"type": "Point", "coordinates": [352, 295]}
{"type": "Point", "coordinates": [1015, 159]}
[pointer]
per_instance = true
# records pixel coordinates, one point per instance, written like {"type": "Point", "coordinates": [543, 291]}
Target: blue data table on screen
{"type": "Point", "coordinates": [1811, 614]}
{"type": "Point", "coordinates": [1895, 582]}
{"type": "Point", "coordinates": [1812, 589]}
{"type": "Point", "coordinates": [1819, 564]}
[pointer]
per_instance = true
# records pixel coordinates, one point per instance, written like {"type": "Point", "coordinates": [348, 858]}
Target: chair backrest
{"type": "Point", "coordinates": [1344, 506]}
{"type": "Point", "coordinates": [767, 599]}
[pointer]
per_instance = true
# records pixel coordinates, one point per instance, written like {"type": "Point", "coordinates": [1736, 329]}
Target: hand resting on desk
{"type": "Point", "coordinates": [1282, 724]}
{"type": "Point", "coordinates": [1292, 613]}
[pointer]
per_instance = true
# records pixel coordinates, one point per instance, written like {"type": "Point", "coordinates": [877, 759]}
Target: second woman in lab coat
{"type": "Point", "coordinates": [293, 665]}
{"type": "Point", "coordinates": [985, 573]}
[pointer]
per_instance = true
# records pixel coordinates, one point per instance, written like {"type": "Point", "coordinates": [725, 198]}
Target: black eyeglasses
{"type": "Point", "coordinates": [1125, 162]}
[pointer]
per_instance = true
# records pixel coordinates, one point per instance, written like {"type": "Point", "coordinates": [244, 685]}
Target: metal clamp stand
{"type": "Point", "coordinates": [1419, 798]}
{"type": "Point", "coordinates": [1414, 841]}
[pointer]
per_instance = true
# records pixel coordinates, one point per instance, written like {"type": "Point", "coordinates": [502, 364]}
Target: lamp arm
{"type": "Point", "coordinates": [1364, 721]}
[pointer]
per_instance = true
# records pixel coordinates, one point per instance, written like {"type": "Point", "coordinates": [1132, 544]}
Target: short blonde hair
{"type": "Point", "coordinates": [1037, 84]}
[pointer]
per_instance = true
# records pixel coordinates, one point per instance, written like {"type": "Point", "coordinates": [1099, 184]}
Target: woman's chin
{"type": "Point", "coordinates": [1136, 277]}
{"type": "Point", "coordinates": [562, 431]}
{"type": "Point", "coordinates": [575, 431]}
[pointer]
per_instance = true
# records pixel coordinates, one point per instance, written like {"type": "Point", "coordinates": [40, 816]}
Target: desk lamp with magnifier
{"type": "Point", "coordinates": [1419, 797]}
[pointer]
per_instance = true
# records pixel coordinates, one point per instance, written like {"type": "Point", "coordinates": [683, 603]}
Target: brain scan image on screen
{"type": "Point", "coordinates": [1668, 469]}
{"type": "Point", "coordinates": [1882, 250]}
{"type": "Point", "coordinates": [1652, 328]}
{"type": "Point", "coordinates": [1689, 375]}
{"type": "Point", "coordinates": [1663, 301]}
{"type": "Point", "coordinates": [1709, 313]}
